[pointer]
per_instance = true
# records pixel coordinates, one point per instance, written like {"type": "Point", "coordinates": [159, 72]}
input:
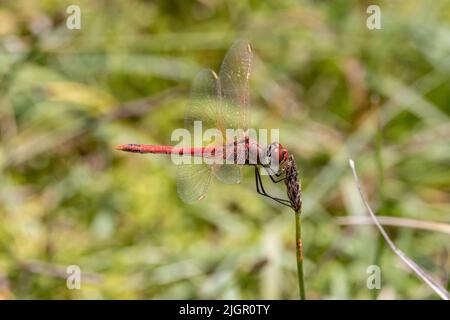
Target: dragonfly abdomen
{"type": "Point", "coordinates": [145, 148]}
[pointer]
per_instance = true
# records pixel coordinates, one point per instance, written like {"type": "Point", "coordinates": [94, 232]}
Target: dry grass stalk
{"type": "Point", "coordinates": [437, 288]}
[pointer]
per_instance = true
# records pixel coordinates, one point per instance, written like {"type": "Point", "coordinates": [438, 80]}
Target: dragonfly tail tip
{"type": "Point", "coordinates": [121, 147]}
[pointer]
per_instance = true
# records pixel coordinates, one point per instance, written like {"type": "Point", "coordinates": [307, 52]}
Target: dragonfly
{"type": "Point", "coordinates": [221, 102]}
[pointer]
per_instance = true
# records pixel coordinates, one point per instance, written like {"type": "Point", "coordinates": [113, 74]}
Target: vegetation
{"type": "Point", "coordinates": [336, 90]}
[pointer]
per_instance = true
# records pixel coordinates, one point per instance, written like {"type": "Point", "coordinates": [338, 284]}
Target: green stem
{"type": "Point", "coordinates": [380, 244]}
{"type": "Point", "coordinates": [299, 250]}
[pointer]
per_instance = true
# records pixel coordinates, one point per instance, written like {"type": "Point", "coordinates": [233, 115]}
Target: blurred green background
{"type": "Point", "coordinates": [334, 88]}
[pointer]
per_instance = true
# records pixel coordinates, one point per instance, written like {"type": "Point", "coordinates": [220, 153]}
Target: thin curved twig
{"type": "Point", "coordinates": [436, 287]}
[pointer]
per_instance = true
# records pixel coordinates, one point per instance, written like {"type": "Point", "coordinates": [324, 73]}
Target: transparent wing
{"type": "Point", "coordinates": [217, 103]}
{"type": "Point", "coordinates": [234, 85]}
{"type": "Point", "coordinates": [203, 102]}
{"type": "Point", "coordinates": [228, 173]}
{"type": "Point", "coordinates": [234, 104]}
{"type": "Point", "coordinates": [193, 181]}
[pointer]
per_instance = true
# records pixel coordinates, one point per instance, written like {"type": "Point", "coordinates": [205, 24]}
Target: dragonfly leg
{"type": "Point", "coordinates": [261, 191]}
{"type": "Point", "coordinates": [278, 174]}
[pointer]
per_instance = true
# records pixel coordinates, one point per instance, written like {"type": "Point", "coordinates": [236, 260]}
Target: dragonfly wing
{"type": "Point", "coordinates": [234, 85]}
{"type": "Point", "coordinates": [193, 181]}
{"type": "Point", "coordinates": [228, 173]}
{"type": "Point", "coordinates": [231, 173]}
{"type": "Point", "coordinates": [203, 108]}
{"type": "Point", "coordinates": [203, 102]}
{"type": "Point", "coordinates": [234, 104]}
{"type": "Point", "coordinates": [219, 103]}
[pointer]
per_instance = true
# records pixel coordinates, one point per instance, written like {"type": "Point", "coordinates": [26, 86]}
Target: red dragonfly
{"type": "Point", "coordinates": [221, 102]}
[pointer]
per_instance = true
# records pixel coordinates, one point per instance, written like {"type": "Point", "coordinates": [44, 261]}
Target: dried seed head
{"type": "Point", "coordinates": [293, 186]}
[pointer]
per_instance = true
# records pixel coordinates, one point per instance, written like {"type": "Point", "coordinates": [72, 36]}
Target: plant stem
{"type": "Point", "coordinates": [380, 244]}
{"type": "Point", "coordinates": [299, 250]}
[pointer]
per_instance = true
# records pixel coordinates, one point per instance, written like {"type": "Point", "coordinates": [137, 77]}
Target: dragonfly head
{"type": "Point", "coordinates": [277, 152]}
